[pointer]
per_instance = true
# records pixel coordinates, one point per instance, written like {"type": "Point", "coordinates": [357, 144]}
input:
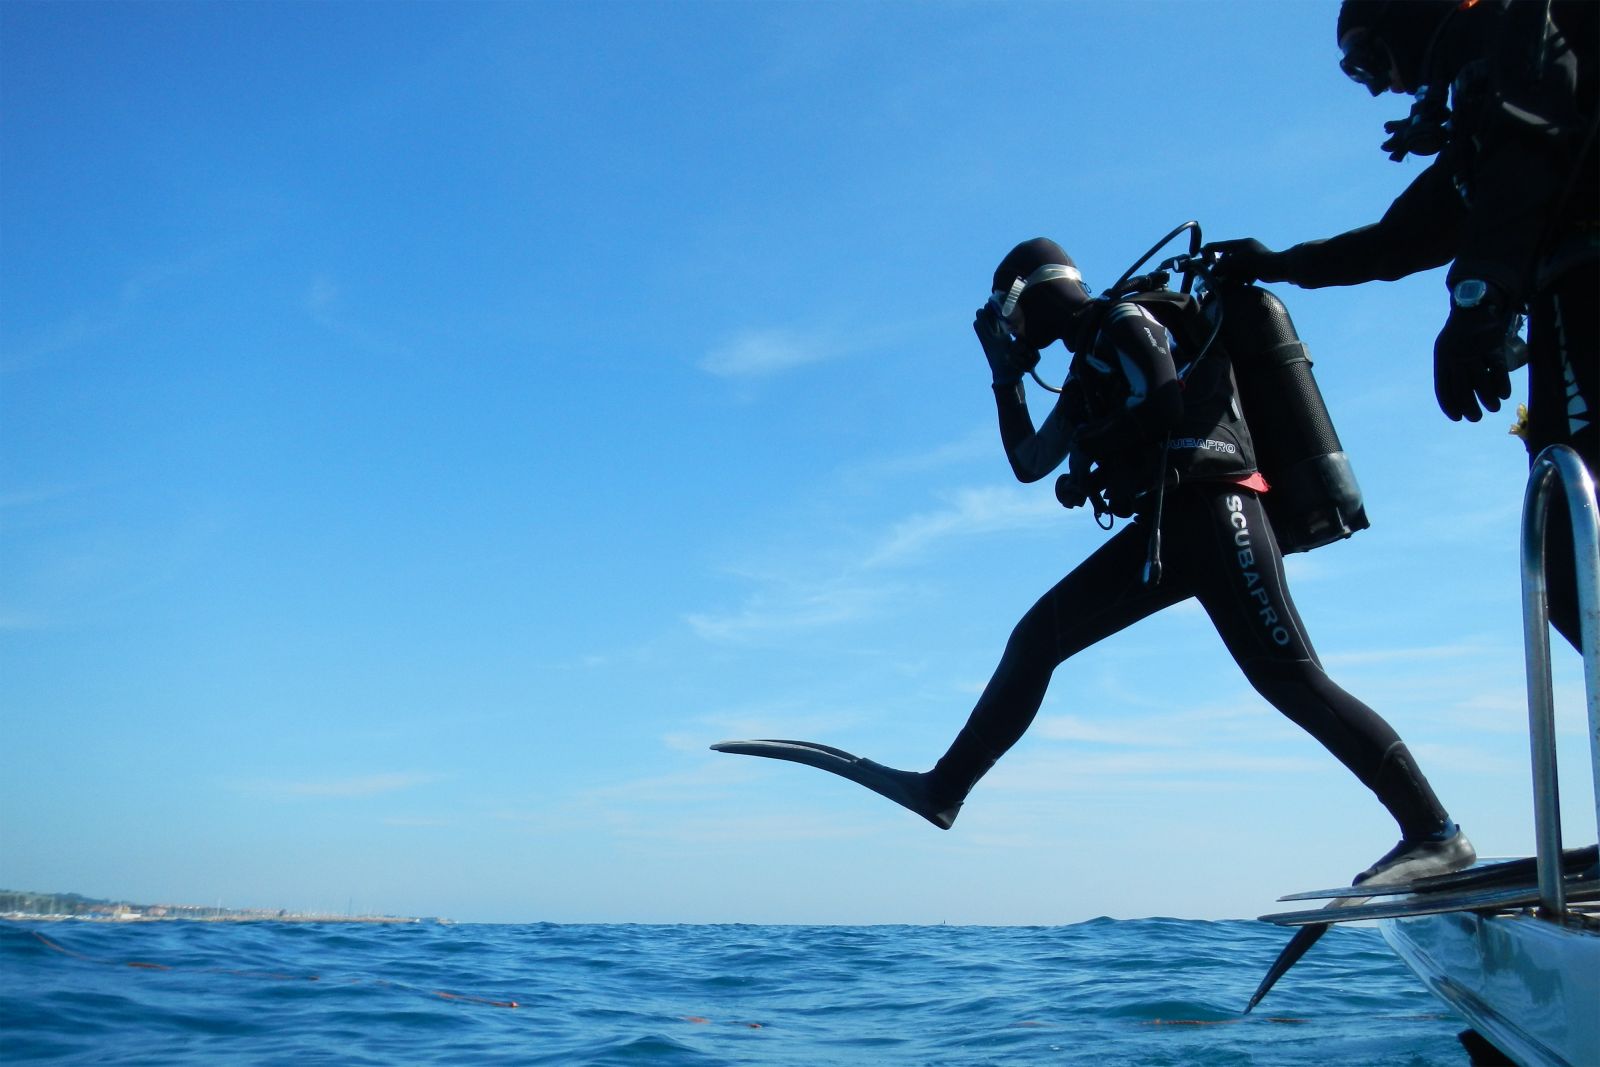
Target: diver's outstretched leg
{"type": "Point", "coordinates": [1102, 595]}
{"type": "Point", "coordinates": [1238, 571]}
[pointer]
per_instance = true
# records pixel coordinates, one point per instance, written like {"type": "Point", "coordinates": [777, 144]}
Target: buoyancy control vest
{"type": "Point", "coordinates": [1259, 363]}
{"type": "Point", "coordinates": [1210, 442]}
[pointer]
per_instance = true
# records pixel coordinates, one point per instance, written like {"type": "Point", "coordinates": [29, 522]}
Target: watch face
{"type": "Point", "coordinates": [1470, 293]}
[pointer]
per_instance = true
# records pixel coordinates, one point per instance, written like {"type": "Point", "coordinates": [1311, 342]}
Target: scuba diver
{"type": "Point", "coordinates": [1165, 443]}
{"type": "Point", "coordinates": [1512, 203]}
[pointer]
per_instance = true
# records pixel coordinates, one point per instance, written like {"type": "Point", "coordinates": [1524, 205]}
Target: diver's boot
{"type": "Point", "coordinates": [1439, 853]}
{"type": "Point", "coordinates": [953, 777]}
{"type": "Point", "coordinates": [917, 791]}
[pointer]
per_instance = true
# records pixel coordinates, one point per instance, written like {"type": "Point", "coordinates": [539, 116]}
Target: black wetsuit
{"type": "Point", "coordinates": [1513, 199]}
{"type": "Point", "coordinates": [1218, 548]}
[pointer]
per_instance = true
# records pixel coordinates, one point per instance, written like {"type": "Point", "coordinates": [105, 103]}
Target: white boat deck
{"type": "Point", "coordinates": [1531, 986]}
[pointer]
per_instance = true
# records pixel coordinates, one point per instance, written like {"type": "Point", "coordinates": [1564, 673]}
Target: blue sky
{"type": "Point", "coordinates": [425, 428]}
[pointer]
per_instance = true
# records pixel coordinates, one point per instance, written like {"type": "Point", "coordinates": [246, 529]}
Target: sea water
{"type": "Point", "coordinates": [1105, 992]}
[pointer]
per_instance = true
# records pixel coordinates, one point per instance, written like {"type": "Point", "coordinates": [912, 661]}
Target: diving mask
{"type": "Point", "coordinates": [1367, 62]}
{"type": "Point", "coordinates": [1005, 301]}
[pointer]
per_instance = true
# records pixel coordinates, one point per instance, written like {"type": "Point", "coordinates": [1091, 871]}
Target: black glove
{"type": "Point", "coordinates": [1472, 358]}
{"type": "Point", "coordinates": [1073, 488]}
{"type": "Point", "coordinates": [1424, 131]}
{"type": "Point", "coordinates": [1008, 359]}
{"type": "Point", "coordinates": [1245, 260]}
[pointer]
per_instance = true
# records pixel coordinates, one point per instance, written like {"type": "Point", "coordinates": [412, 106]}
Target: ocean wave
{"type": "Point", "coordinates": [1103, 992]}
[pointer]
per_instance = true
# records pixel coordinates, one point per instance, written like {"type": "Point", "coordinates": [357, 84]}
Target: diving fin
{"type": "Point", "coordinates": [910, 789]}
{"type": "Point", "coordinates": [1298, 946]}
{"type": "Point", "coordinates": [1574, 861]}
{"type": "Point", "coordinates": [1394, 874]}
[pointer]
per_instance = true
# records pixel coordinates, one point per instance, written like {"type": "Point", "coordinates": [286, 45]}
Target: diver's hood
{"type": "Point", "coordinates": [1408, 27]}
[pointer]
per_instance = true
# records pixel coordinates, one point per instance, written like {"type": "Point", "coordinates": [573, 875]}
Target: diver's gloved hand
{"type": "Point", "coordinates": [1008, 359]}
{"type": "Point", "coordinates": [1073, 488]}
{"type": "Point", "coordinates": [1473, 355]}
{"type": "Point", "coordinates": [1070, 492]}
{"type": "Point", "coordinates": [1245, 260]}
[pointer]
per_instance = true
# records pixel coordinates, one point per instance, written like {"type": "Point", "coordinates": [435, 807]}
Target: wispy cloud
{"type": "Point", "coordinates": [625, 806]}
{"type": "Point", "coordinates": [855, 589]}
{"type": "Point", "coordinates": [1415, 654]}
{"type": "Point", "coordinates": [779, 718]}
{"type": "Point", "coordinates": [1076, 771]}
{"type": "Point", "coordinates": [713, 770]}
{"type": "Point", "coordinates": [69, 569]}
{"type": "Point", "coordinates": [325, 303]}
{"type": "Point", "coordinates": [1074, 728]}
{"type": "Point", "coordinates": [790, 608]}
{"type": "Point", "coordinates": [356, 786]}
{"type": "Point", "coordinates": [28, 498]}
{"type": "Point", "coordinates": [763, 353]}
{"type": "Point", "coordinates": [738, 829]}
{"type": "Point", "coordinates": [1466, 759]}
{"type": "Point", "coordinates": [990, 509]}
{"type": "Point", "coordinates": [108, 315]}
{"type": "Point", "coordinates": [977, 444]}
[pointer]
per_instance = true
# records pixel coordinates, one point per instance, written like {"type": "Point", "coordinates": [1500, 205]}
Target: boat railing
{"type": "Point", "coordinates": [1558, 470]}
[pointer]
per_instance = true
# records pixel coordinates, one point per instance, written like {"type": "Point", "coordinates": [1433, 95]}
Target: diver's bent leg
{"type": "Point", "coordinates": [1101, 596]}
{"type": "Point", "coordinates": [1237, 571]}
{"type": "Point", "coordinates": [1357, 737]}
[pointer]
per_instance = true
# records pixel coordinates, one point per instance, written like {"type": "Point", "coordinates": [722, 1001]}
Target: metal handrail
{"type": "Point", "coordinates": [1558, 468]}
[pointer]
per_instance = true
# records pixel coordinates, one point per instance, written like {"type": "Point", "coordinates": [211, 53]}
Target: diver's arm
{"type": "Point", "coordinates": [1132, 349]}
{"type": "Point", "coordinates": [1512, 194]}
{"type": "Point", "coordinates": [1032, 454]}
{"type": "Point", "coordinates": [1421, 230]}
{"type": "Point", "coordinates": [1035, 453]}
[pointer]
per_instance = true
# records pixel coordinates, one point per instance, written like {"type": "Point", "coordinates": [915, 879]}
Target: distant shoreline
{"type": "Point", "coordinates": [376, 920]}
{"type": "Point", "coordinates": [22, 906]}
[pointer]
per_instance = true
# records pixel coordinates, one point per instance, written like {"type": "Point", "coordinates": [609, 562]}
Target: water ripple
{"type": "Point", "coordinates": [1155, 991]}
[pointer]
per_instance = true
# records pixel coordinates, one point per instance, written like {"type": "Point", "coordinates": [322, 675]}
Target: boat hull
{"type": "Point", "coordinates": [1530, 987]}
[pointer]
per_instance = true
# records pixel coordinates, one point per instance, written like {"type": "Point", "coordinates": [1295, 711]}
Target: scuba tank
{"type": "Point", "coordinates": [1313, 498]}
